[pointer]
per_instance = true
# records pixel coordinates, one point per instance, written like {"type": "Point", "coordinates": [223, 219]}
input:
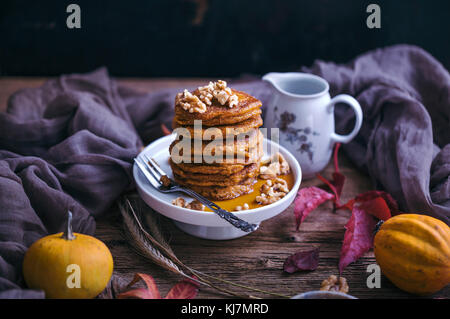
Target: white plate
{"type": "Point", "coordinates": [202, 223]}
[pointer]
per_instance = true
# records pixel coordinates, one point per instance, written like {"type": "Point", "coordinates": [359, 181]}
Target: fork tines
{"type": "Point", "coordinates": [151, 171]}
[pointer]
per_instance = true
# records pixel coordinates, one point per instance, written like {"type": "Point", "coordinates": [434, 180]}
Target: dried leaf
{"type": "Point", "coordinates": [370, 195]}
{"type": "Point", "coordinates": [338, 177]}
{"type": "Point", "coordinates": [335, 157]}
{"type": "Point", "coordinates": [301, 261]}
{"type": "Point", "coordinates": [185, 289]}
{"type": "Point", "coordinates": [392, 203]}
{"type": "Point", "coordinates": [376, 207]}
{"type": "Point", "coordinates": [330, 185]}
{"type": "Point", "coordinates": [337, 184]}
{"type": "Point", "coordinates": [358, 237]}
{"type": "Point", "coordinates": [308, 199]}
{"type": "Point", "coordinates": [150, 292]}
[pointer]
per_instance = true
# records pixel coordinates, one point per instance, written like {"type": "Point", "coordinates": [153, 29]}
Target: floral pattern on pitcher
{"type": "Point", "coordinates": [293, 135]}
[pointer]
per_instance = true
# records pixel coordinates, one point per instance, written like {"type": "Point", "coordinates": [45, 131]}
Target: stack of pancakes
{"type": "Point", "coordinates": [231, 165]}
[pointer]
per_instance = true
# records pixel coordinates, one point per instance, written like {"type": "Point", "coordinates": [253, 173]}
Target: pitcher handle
{"type": "Point", "coordinates": [347, 99]}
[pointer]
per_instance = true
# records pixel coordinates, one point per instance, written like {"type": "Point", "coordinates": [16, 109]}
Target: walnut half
{"type": "Point", "coordinates": [335, 284]}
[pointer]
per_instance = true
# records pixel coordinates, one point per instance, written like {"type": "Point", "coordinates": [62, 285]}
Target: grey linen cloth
{"type": "Point", "coordinates": [70, 143]}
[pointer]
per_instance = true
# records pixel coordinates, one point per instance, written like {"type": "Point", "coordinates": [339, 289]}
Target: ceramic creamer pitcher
{"type": "Point", "coordinates": [303, 111]}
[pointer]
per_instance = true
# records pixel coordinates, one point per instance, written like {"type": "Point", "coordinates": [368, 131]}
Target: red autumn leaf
{"type": "Point", "coordinates": [337, 184]}
{"type": "Point", "coordinates": [185, 289]}
{"type": "Point", "coordinates": [335, 157]}
{"type": "Point", "coordinates": [392, 204]}
{"type": "Point", "coordinates": [303, 260]}
{"type": "Point", "coordinates": [308, 199]}
{"type": "Point", "coordinates": [376, 207]}
{"type": "Point", "coordinates": [338, 177]}
{"type": "Point", "coordinates": [358, 237]}
{"type": "Point", "coordinates": [330, 186]}
{"type": "Point", "coordinates": [151, 292]}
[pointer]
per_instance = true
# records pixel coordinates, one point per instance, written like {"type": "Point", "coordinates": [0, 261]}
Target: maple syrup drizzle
{"type": "Point", "coordinates": [249, 198]}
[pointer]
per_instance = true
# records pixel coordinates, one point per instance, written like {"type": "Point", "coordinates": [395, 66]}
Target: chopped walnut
{"type": "Point", "coordinates": [179, 201]}
{"type": "Point", "coordinates": [195, 204]}
{"type": "Point", "coordinates": [284, 165]}
{"type": "Point", "coordinates": [272, 191]}
{"type": "Point", "coordinates": [190, 102]}
{"type": "Point", "coordinates": [335, 284]}
{"type": "Point", "coordinates": [278, 166]}
{"type": "Point", "coordinates": [268, 172]}
{"type": "Point", "coordinates": [219, 91]}
{"type": "Point", "coordinates": [243, 207]}
{"type": "Point", "coordinates": [233, 101]}
{"type": "Point", "coordinates": [205, 93]}
{"type": "Point", "coordinates": [165, 181]}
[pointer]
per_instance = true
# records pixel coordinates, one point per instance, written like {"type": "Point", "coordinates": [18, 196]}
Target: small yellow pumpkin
{"type": "Point", "coordinates": [68, 265]}
{"type": "Point", "coordinates": [413, 251]}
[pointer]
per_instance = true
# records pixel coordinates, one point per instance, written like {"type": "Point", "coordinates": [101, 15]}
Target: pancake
{"type": "Point", "coordinates": [217, 114]}
{"type": "Point", "coordinates": [241, 155]}
{"type": "Point", "coordinates": [241, 177]}
{"type": "Point", "coordinates": [216, 169]}
{"type": "Point", "coordinates": [223, 193]}
{"type": "Point", "coordinates": [238, 128]}
{"type": "Point", "coordinates": [239, 145]}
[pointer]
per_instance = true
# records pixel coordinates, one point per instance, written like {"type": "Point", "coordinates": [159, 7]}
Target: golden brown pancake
{"type": "Point", "coordinates": [223, 193]}
{"type": "Point", "coordinates": [221, 169]}
{"type": "Point", "coordinates": [238, 128]}
{"type": "Point", "coordinates": [199, 179]}
{"type": "Point", "coordinates": [242, 154]}
{"type": "Point", "coordinates": [240, 144]}
{"type": "Point", "coordinates": [217, 114]}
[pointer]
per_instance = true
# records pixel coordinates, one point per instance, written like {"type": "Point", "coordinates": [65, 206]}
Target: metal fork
{"type": "Point", "coordinates": [159, 179]}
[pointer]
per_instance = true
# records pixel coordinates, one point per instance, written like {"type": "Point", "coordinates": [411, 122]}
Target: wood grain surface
{"type": "Point", "coordinates": [256, 259]}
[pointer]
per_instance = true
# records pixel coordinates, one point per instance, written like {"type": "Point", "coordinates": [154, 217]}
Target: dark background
{"type": "Point", "coordinates": [208, 37]}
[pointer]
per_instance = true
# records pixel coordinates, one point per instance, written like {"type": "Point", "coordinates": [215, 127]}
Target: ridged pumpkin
{"type": "Point", "coordinates": [47, 265]}
{"type": "Point", "coordinates": [413, 251]}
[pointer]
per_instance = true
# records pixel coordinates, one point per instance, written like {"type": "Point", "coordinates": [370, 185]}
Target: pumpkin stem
{"type": "Point", "coordinates": [68, 234]}
{"type": "Point", "coordinates": [377, 227]}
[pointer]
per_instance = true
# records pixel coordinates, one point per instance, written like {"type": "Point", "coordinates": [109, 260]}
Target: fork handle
{"type": "Point", "coordinates": [228, 216]}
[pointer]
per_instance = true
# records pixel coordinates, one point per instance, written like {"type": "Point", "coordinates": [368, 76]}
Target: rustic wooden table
{"type": "Point", "coordinates": [256, 259]}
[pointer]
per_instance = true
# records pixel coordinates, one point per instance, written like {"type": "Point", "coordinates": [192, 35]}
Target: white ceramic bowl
{"type": "Point", "coordinates": [206, 224]}
{"type": "Point", "coordinates": [321, 294]}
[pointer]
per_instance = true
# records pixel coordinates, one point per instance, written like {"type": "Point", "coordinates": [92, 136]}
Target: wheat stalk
{"type": "Point", "coordinates": [147, 246]}
{"type": "Point", "coordinates": [150, 243]}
